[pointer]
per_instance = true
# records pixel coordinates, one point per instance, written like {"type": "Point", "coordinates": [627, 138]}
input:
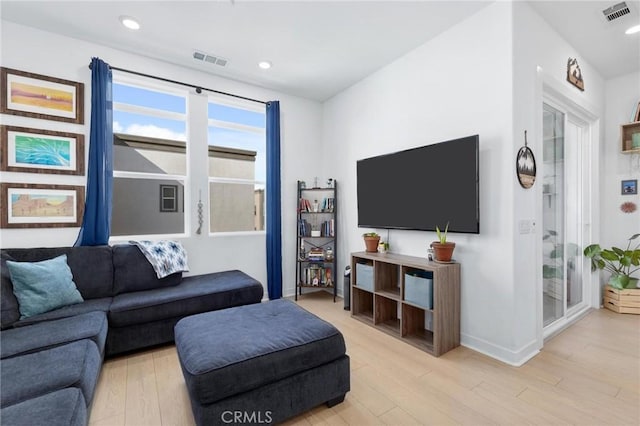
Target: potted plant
{"type": "Point", "coordinates": [620, 263]}
{"type": "Point", "coordinates": [443, 249]}
{"type": "Point", "coordinates": [371, 240]}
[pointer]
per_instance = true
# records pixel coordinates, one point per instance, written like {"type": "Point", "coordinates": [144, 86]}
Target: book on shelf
{"type": "Point", "coordinates": [304, 205]}
{"type": "Point", "coordinates": [328, 228]}
{"type": "Point", "coordinates": [304, 228]}
{"type": "Point", "coordinates": [316, 275]}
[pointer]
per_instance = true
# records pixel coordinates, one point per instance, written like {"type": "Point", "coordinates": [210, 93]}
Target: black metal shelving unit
{"type": "Point", "coordinates": [316, 256]}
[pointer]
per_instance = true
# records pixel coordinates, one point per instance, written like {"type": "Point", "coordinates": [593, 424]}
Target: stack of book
{"type": "Point", "coordinates": [316, 254]}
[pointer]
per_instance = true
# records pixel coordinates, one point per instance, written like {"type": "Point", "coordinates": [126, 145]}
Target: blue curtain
{"type": "Point", "coordinates": [274, 222]}
{"type": "Point", "coordinates": [96, 223]}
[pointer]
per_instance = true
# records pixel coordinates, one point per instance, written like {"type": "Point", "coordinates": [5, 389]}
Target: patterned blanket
{"type": "Point", "coordinates": [166, 257]}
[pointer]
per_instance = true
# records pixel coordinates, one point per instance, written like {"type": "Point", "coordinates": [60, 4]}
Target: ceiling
{"type": "Point", "coordinates": [318, 48]}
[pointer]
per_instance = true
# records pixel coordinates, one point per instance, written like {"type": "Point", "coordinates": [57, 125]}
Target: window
{"type": "Point", "coordinates": [169, 198]}
{"type": "Point", "coordinates": [149, 152]}
{"type": "Point", "coordinates": [237, 166]}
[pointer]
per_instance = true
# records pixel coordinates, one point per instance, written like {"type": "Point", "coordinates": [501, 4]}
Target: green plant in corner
{"type": "Point", "coordinates": [442, 236]}
{"type": "Point", "coordinates": [620, 263]}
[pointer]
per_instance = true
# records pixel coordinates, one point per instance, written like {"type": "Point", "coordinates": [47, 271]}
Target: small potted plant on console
{"type": "Point", "coordinates": [443, 249]}
{"type": "Point", "coordinates": [371, 240]}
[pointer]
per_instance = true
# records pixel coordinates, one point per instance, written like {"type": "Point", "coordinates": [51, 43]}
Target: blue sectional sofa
{"type": "Point", "coordinates": [50, 362]}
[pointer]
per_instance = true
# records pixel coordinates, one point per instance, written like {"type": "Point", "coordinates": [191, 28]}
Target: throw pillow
{"type": "Point", "coordinates": [166, 257]}
{"type": "Point", "coordinates": [43, 286]}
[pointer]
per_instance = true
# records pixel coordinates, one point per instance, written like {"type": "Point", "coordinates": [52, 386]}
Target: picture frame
{"type": "Point", "coordinates": [26, 205]}
{"type": "Point", "coordinates": [526, 167]}
{"type": "Point", "coordinates": [31, 150]}
{"type": "Point", "coordinates": [574, 74]}
{"type": "Point", "coordinates": [629, 187]}
{"type": "Point", "coordinates": [40, 96]}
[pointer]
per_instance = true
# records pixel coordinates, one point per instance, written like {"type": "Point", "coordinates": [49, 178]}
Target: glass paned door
{"type": "Point", "coordinates": [553, 215]}
{"type": "Point", "coordinates": [562, 213]}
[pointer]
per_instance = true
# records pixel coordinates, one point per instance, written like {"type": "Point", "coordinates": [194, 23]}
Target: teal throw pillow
{"type": "Point", "coordinates": [43, 286]}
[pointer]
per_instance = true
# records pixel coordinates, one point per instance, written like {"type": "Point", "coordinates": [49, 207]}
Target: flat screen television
{"type": "Point", "coordinates": [422, 188]}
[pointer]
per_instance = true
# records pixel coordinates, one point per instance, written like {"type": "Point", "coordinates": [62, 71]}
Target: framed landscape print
{"type": "Point", "coordinates": [39, 96]}
{"type": "Point", "coordinates": [41, 151]}
{"type": "Point", "coordinates": [25, 205]}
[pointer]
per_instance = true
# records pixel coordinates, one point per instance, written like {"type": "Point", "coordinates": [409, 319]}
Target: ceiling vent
{"type": "Point", "coordinates": [616, 11]}
{"type": "Point", "coordinates": [212, 59]}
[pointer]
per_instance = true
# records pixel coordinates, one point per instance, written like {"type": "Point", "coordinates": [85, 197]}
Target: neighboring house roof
{"type": "Point", "coordinates": [167, 145]}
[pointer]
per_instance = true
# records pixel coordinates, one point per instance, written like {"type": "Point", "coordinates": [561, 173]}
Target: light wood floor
{"type": "Point", "coordinates": [587, 375]}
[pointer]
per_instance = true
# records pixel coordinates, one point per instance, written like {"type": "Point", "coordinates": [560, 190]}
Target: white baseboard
{"type": "Point", "coordinates": [508, 356]}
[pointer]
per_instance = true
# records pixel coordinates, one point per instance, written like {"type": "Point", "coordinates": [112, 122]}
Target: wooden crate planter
{"type": "Point", "coordinates": [626, 301]}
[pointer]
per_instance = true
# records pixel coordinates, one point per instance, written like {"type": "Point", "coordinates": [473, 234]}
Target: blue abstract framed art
{"type": "Point", "coordinates": [41, 151]}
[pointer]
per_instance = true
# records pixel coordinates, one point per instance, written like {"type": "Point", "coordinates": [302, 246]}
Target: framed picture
{"type": "Point", "coordinates": [39, 96]}
{"type": "Point", "coordinates": [526, 167]}
{"type": "Point", "coordinates": [629, 187]}
{"type": "Point", "coordinates": [574, 74]}
{"type": "Point", "coordinates": [25, 205]}
{"type": "Point", "coordinates": [41, 151]}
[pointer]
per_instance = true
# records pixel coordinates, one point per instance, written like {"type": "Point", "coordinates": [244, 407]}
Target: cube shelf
{"type": "Point", "coordinates": [408, 297]}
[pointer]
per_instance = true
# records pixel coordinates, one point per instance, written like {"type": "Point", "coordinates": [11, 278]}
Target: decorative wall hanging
{"type": "Point", "coordinates": [39, 96]}
{"type": "Point", "coordinates": [629, 187]}
{"type": "Point", "coordinates": [200, 214]}
{"type": "Point", "coordinates": [25, 205]}
{"type": "Point", "coordinates": [41, 151]}
{"type": "Point", "coordinates": [574, 74]}
{"type": "Point", "coordinates": [526, 165]}
{"type": "Point", "coordinates": [628, 207]}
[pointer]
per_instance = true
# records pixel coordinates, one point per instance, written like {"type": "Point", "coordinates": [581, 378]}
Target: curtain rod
{"type": "Point", "coordinates": [199, 89]}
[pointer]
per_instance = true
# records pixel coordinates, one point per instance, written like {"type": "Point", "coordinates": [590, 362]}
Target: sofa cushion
{"type": "Point", "coordinates": [28, 376]}
{"type": "Point", "coordinates": [49, 334]}
{"type": "Point", "coordinates": [229, 352]}
{"type": "Point", "coordinates": [196, 294]}
{"type": "Point", "coordinates": [65, 407]}
{"type": "Point", "coordinates": [133, 272]}
{"type": "Point", "coordinates": [92, 267]}
{"type": "Point", "coordinates": [43, 286]}
{"type": "Point", "coordinates": [92, 305]}
{"type": "Point", "coordinates": [10, 312]}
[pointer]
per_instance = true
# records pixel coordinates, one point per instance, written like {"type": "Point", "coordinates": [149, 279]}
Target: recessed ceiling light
{"type": "Point", "coordinates": [633, 30]}
{"type": "Point", "coordinates": [265, 65]}
{"type": "Point", "coordinates": [130, 22]}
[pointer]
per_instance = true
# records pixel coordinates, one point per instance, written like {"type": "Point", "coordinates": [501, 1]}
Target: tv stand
{"type": "Point", "coordinates": [391, 292]}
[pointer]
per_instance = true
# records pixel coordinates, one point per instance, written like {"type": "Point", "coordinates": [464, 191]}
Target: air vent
{"type": "Point", "coordinates": [212, 59]}
{"type": "Point", "coordinates": [616, 11]}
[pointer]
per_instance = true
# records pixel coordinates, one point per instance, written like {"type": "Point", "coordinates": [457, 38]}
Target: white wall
{"type": "Point", "coordinates": [45, 53]}
{"type": "Point", "coordinates": [482, 76]}
{"type": "Point", "coordinates": [455, 85]}
{"type": "Point", "coordinates": [540, 56]}
{"type": "Point", "coordinates": [622, 97]}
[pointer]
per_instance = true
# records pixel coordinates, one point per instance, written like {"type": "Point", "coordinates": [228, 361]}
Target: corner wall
{"type": "Point", "coordinates": [33, 50]}
{"type": "Point", "coordinates": [540, 57]}
{"type": "Point", "coordinates": [458, 84]}
{"type": "Point", "coordinates": [621, 99]}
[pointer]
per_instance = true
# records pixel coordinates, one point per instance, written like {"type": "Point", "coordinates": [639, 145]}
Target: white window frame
{"type": "Point", "coordinates": [230, 125]}
{"type": "Point", "coordinates": [164, 88]}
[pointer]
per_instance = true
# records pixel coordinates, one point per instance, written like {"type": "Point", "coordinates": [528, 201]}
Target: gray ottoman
{"type": "Point", "coordinates": [260, 363]}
